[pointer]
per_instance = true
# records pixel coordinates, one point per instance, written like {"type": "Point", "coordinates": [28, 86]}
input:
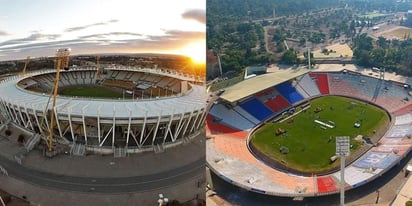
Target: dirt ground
{"type": "Point", "coordinates": [395, 32]}
{"type": "Point", "coordinates": [339, 50]}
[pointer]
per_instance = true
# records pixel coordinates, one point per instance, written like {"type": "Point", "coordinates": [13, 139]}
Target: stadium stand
{"type": "Point", "coordinates": [393, 96]}
{"type": "Point", "coordinates": [321, 81]}
{"type": "Point", "coordinates": [230, 117]}
{"type": "Point", "coordinates": [277, 104]}
{"type": "Point", "coordinates": [118, 83]}
{"type": "Point", "coordinates": [266, 94]}
{"type": "Point", "coordinates": [214, 126]}
{"type": "Point", "coordinates": [256, 108]}
{"type": "Point", "coordinates": [339, 86]}
{"type": "Point", "coordinates": [246, 115]}
{"type": "Point", "coordinates": [289, 92]}
{"type": "Point", "coordinates": [306, 86]}
{"type": "Point", "coordinates": [326, 184]}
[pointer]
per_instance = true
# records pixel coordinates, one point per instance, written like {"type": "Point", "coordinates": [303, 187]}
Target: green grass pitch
{"type": "Point", "coordinates": [91, 91]}
{"type": "Point", "coordinates": [311, 146]}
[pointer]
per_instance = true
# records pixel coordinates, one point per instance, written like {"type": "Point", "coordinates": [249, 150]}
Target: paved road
{"type": "Point", "coordinates": [105, 185]}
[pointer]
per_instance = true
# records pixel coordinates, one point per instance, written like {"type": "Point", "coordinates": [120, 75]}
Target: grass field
{"type": "Point", "coordinates": [374, 15]}
{"type": "Point", "coordinates": [91, 91]}
{"type": "Point", "coordinates": [311, 146]}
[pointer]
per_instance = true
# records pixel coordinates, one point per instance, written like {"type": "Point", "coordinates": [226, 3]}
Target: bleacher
{"type": "Point", "coordinates": [214, 126]}
{"type": "Point", "coordinates": [165, 82]}
{"type": "Point", "coordinates": [306, 86]}
{"type": "Point", "coordinates": [65, 79]}
{"type": "Point", "coordinates": [118, 83]}
{"type": "Point", "coordinates": [277, 104]}
{"type": "Point", "coordinates": [246, 115]}
{"type": "Point", "coordinates": [289, 92]}
{"type": "Point", "coordinates": [338, 85]}
{"type": "Point", "coordinates": [231, 117]}
{"type": "Point", "coordinates": [321, 81]}
{"type": "Point", "coordinates": [174, 86]}
{"type": "Point", "coordinates": [266, 94]}
{"type": "Point", "coordinates": [134, 76]}
{"type": "Point", "coordinates": [74, 77]}
{"type": "Point", "coordinates": [366, 85]}
{"type": "Point", "coordinates": [256, 108]}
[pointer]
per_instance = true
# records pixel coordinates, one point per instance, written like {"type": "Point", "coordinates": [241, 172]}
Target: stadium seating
{"type": "Point", "coordinates": [256, 108]}
{"type": "Point", "coordinates": [326, 184]}
{"type": "Point", "coordinates": [135, 76]}
{"type": "Point", "coordinates": [321, 81]}
{"type": "Point", "coordinates": [339, 85]}
{"type": "Point", "coordinates": [266, 94]}
{"type": "Point", "coordinates": [165, 82]}
{"type": "Point", "coordinates": [230, 117]}
{"type": "Point", "coordinates": [174, 86]}
{"type": "Point", "coordinates": [307, 87]}
{"type": "Point", "coordinates": [246, 115]}
{"type": "Point", "coordinates": [118, 83]}
{"type": "Point", "coordinates": [277, 104]}
{"type": "Point", "coordinates": [289, 92]}
{"type": "Point", "coordinates": [214, 126]}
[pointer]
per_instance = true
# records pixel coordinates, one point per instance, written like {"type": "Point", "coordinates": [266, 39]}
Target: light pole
{"type": "Point", "coordinates": [162, 200]}
{"type": "Point", "coordinates": [342, 150]}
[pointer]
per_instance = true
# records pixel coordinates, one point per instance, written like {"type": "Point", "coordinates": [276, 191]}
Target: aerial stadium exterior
{"type": "Point", "coordinates": [173, 112]}
{"type": "Point", "coordinates": [244, 107]}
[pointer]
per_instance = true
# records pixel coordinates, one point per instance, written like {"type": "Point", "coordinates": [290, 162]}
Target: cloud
{"type": "Point", "coordinates": [186, 34]}
{"type": "Point", "coordinates": [33, 37]}
{"type": "Point", "coordinates": [106, 35]}
{"type": "Point", "coordinates": [124, 42]}
{"type": "Point", "coordinates": [3, 33]}
{"type": "Point", "coordinates": [195, 14]}
{"type": "Point", "coordinates": [72, 29]}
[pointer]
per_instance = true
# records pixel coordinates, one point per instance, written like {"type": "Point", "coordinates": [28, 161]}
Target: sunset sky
{"type": "Point", "coordinates": [38, 28]}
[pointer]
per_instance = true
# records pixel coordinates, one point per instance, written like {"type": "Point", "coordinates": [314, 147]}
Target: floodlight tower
{"type": "Point", "coordinates": [342, 150]}
{"type": "Point", "coordinates": [220, 66]}
{"type": "Point", "coordinates": [62, 61]}
{"type": "Point", "coordinates": [308, 45]}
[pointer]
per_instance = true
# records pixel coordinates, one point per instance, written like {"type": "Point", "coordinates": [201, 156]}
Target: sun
{"type": "Point", "coordinates": [196, 51]}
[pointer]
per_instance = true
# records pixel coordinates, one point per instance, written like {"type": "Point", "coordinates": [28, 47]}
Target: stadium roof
{"type": "Point", "coordinates": [253, 85]}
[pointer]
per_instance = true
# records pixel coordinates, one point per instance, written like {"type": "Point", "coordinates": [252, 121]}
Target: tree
{"type": "Point", "coordinates": [362, 57]}
{"type": "Point", "coordinates": [377, 57]}
{"type": "Point", "coordinates": [290, 57]}
{"type": "Point", "coordinates": [382, 42]}
{"type": "Point", "coordinates": [364, 42]}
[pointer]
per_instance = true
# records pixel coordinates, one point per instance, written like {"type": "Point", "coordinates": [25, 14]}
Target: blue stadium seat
{"type": "Point", "coordinates": [256, 108]}
{"type": "Point", "coordinates": [289, 92]}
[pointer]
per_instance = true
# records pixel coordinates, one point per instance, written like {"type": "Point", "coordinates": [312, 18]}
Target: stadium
{"type": "Point", "coordinates": [121, 135]}
{"type": "Point", "coordinates": [260, 104]}
{"type": "Point", "coordinates": [159, 108]}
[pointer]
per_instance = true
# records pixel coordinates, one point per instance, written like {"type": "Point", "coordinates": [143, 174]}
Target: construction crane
{"type": "Point", "coordinates": [62, 61]}
{"type": "Point", "coordinates": [25, 65]}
